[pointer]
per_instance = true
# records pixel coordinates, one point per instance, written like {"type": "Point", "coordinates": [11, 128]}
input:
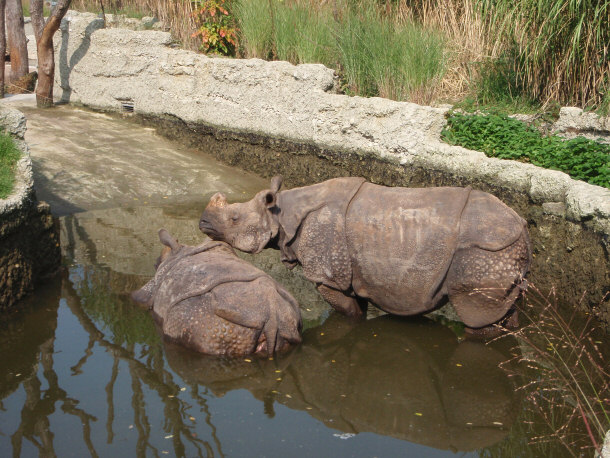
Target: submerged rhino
{"type": "Point", "coordinates": [403, 249]}
{"type": "Point", "coordinates": [205, 298]}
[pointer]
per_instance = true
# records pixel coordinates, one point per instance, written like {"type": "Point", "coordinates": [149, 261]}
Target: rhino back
{"type": "Point", "coordinates": [193, 324]}
{"type": "Point", "coordinates": [197, 273]}
{"type": "Point", "coordinates": [401, 242]}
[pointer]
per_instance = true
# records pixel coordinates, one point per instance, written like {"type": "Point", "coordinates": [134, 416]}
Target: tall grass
{"type": "Point", "coordinates": [569, 382]}
{"type": "Point", "coordinates": [562, 46]}
{"type": "Point", "coordinates": [9, 155]}
{"type": "Point", "coordinates": [376, 55]}
{"type": "Point", "coordinates": [516, 53]}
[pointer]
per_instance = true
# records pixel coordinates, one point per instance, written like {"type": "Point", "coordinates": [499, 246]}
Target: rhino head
{"type": "Point", "coordinates": [247, 226]}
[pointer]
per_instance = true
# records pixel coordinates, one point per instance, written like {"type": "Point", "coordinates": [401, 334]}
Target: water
{"type": "Point", "coordinates": [88, 373]}
{"type": "Point", "coordinates": [85, 372]}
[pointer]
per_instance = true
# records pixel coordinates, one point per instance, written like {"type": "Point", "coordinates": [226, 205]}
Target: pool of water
{"type": "Point", "coordinates": [84, 371]}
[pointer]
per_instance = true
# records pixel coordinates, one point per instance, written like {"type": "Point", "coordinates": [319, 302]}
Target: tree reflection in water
{"type": "Point", "coordinates": [407, 379]}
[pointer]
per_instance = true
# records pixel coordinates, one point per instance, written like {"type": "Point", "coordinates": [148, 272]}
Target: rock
{"type": "Point", "coordinates": [606, 447]}
{"type": "Point", "coordinates": [574, 122]}
{"type": "Point", "coordinates": [12, 121]}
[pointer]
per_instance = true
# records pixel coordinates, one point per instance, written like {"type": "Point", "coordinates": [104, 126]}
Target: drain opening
{"type": "Point", "coordinates": [127, 106]}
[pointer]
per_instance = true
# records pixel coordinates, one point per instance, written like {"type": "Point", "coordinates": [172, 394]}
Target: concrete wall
{"type": "Point", "coordinates": [29, 238]}
{"type": "Point", "coordinates": [274, 117]}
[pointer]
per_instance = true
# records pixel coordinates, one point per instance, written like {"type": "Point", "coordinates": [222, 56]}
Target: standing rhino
{"type": "Point", "coordinates": [402, 249]}
{"type": "Point", "coordinates": [207, 299]}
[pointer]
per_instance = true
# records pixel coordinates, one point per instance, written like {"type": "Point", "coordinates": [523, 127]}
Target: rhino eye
{"type": "Point", "coordinates": [234, 218]}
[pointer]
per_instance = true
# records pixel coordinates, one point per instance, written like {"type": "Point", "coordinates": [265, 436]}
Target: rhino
{"type": "Point", "coordinates": [405, 250]}
{"type": "Point", "coordinates": [207, 299]}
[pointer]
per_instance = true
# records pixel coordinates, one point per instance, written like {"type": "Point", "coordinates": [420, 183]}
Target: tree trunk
{"type": "Point", "coordinates": [46, 72]}
{"type": "Point", "coordinates": [2, 46]}
{"type": "Point", "coordinates": [16, 38]}
{"type": "Point", "coordinates": [44, 31]}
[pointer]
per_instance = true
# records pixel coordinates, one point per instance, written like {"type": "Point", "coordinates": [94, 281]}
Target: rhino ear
{"type": "Point", "coordinates": [269, 197]}
{"type": "Point", "coordinates": [168, 240]}
{"type": "Point", "coordinates": [276, 183]}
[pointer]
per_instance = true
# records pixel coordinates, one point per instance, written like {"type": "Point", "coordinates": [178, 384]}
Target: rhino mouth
{"type": "Point", "coordinates": [207, 228]}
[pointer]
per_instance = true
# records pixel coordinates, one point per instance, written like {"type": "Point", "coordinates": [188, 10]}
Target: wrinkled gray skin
{"type": "Point", "coordinates": [209, 300]}
{"type": "Point", "coordinates": [403, 249]}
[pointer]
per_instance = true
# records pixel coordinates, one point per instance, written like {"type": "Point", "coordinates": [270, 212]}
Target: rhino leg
{"type": "Point", "coordinates": [483, 285]}
{"type": "Point", "coordinates": [341, 302]}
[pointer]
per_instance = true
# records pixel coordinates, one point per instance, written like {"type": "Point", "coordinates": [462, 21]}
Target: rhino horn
{"type": "Point", "coordinates": [167, 240]}
{"type": "Point", "coordinates": [218, 200]}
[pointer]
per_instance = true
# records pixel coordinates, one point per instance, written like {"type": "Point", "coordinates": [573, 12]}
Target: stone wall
{"type": "Point", "coordinates": [274, 117]}
{"type": "Point", "coordinates": [29, 238]}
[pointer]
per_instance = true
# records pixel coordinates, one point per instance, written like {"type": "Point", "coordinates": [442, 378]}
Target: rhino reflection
{"type": "Point", "coordinates": [410, 380]}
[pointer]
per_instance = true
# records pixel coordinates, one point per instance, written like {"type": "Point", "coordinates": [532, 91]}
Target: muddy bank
{"type": "Point", "coordinates": [568, 256]}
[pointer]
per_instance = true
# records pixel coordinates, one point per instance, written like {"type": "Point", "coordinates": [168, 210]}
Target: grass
{"type": "Point", "coordinates": [374, 55]}
{"type": "Point", "coordinates": [568, 384]}
{"type": "Point", "coordinates": [512, 55]}
{"type": "Point", "coordinates": [25, 4]}
{"type": "Point", "coordinates": [506, 138]}
{"type": "Point", "coordinates": [9, 155]}
{"type": "Point", "coordinates": [561, 46]}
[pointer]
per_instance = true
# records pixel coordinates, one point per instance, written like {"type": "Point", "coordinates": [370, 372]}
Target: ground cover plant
{"type": "Point", "coordinates": [499, 136]}
{"type": "Point", "coordinates": [9, 155]}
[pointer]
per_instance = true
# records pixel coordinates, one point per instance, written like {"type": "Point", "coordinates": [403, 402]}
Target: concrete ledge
{"type": "Point", "coordinates": [29, 238]}
{"type": "Point", "coordinates": [276, 117]}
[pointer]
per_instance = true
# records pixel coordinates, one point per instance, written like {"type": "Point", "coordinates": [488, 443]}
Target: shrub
{"type": "Point", "coordinates": [216, 27]}
{"type": "Point", "coordinates": [9, 155]}
{"type": "Point", "coordinates": [506, 138]}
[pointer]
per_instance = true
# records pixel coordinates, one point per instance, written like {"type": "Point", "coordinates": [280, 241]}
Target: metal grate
{"type": "Point", "coordinates": [127, 106]}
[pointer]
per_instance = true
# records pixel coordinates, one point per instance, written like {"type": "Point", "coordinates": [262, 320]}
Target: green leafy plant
{"type": "Point", "coordinates": [506, 138]}
{"type": "Point", "coordinates": [216, 27]}
{"type": "Point", "coordinates": [9, 155]}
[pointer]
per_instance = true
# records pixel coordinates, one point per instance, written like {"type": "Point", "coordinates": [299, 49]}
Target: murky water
{"type": "Point", "coordinates": [85, 372]}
